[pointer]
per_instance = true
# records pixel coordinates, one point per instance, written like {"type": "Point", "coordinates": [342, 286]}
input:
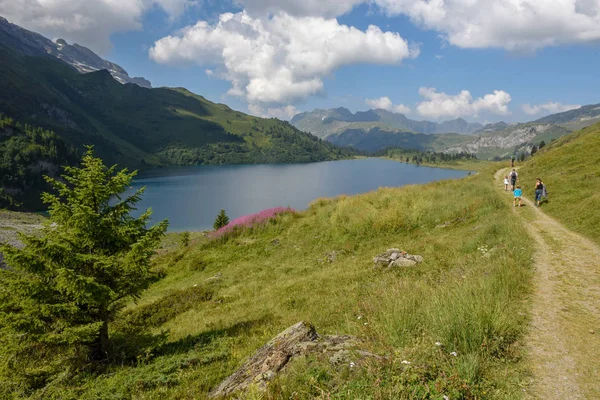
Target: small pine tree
{"type": "Point", "coordinates": [542, 144]}
{"type": "Point", "coordinates": [66, 284]}
{"type": "Point", "coordinates": [221, 220]}
{"type": "Point", "coordinates": [185, 239]}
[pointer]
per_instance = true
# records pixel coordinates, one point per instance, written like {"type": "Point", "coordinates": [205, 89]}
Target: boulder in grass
{"type": "Point", "coordinates": [272, 358]}
{"type": "Point", "coordinates": [396, 258]}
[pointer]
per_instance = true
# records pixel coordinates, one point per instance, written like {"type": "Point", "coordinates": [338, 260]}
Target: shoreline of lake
{"type": "Point", "coordinates": [191, 197]}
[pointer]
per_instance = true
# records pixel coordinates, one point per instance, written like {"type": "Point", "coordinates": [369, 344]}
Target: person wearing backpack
{"type": "Point", "coordinates": [513, 179]}
{"type": "Point", "coordinates": [544, 191]}
{"type": "Point", "coordinates": [539, 189]}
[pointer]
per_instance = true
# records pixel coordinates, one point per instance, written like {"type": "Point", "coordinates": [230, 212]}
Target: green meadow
{"type": "Point", "coordinates": [452, 325]}
{"type": "Point", "coordinates": [221, 299]}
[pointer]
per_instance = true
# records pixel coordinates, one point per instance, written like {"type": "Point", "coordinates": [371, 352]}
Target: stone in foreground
{"type": "Point", "coordinates": [299, 339]}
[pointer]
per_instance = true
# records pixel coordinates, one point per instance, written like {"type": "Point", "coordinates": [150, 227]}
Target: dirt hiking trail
{"type": "Point", "coordinates": [563, 340]}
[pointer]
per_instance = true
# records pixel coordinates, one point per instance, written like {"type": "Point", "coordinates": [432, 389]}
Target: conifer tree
{"type": "Point", "coordinates": [221, 220]}
{"type": "Point", "coordinates": [66, 284]}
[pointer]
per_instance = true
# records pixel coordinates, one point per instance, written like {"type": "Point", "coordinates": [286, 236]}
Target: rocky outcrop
{"type": "Point", "coordinates": [79, 57]}
{"type": "Point", "coordinates": [506, 139]}
{"type": "Point", "coordinates": [396, 258]}
{"type": "Point", "coordinates": [272, 358]}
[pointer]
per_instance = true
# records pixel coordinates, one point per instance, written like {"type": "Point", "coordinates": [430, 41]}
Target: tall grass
{"type": "Point", "coordinates": [469, 295]}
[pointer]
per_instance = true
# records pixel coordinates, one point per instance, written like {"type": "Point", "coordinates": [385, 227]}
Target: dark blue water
{"type": "Point", "coordinates": [191, 197]}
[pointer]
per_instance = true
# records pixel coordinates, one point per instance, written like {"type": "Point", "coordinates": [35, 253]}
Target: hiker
{"type": "Point", "coordinates": [506, 183]}
{"type": "Point", "coordinates": [539, 190]}
{"type": "Point", "coordinates": [518, 192]}
{"type": "Point", "coordinates": [512, 163]}
{"type": "Point", "coordinates": [513, 179]}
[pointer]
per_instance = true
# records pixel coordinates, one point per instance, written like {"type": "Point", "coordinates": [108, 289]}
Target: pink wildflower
{"type": "Point", "coordinates": [248, 221]}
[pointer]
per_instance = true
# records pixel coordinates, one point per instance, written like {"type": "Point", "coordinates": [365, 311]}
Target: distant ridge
{"type": "Point", "coordinates": [324, 123]}
{"type": "Point", "coordinates": [81, 58]}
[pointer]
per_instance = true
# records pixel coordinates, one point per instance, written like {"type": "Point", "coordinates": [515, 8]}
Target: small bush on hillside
{"type": "Point", "coordinates": [65, 285]}
{"type": "Point", "coordinates": [185, 239]}
{"type": "Point", "coordinates": [221, 221]}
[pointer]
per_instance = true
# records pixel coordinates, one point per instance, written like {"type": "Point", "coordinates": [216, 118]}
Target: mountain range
{"type": "Point", "coordinates": [324, 123]}
{"type": "Point", "coordinates": [128, 124]}
{"type": "Point", "coordinates": [375, 130]}
{"type": "Point", "coordinates": [81, 58]}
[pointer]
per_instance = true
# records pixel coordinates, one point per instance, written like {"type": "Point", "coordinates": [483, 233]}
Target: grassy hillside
{"type": "Point", "coordinates": [570, 167]}
{"type": "Point", "coordinates": [220, 300]}
{"type": "Point", "coordinates": [138, 127]}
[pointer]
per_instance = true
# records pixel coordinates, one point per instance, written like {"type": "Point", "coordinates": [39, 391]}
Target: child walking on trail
{"type": "Point", "coordinates": [518, 193]}
{"type": "Point", "coordinates": [506, 183]}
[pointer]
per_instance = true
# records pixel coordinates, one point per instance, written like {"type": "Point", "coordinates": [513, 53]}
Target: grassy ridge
{"type": "Point", "coordinates": [317, 266]}
{"type": "Point", "coordinates": [570, 167]}
{"type": "Point", "coordinates": [139, 127]}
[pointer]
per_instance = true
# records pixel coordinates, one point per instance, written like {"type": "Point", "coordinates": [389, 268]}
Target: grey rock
{"type": "Point", "coordinates": [416, 258]}
{"type": "Point", "coordinates": [397, 258]}
{"type": "Point", "coordinates": [403, 262]}
{"type": "Point", "coordinates": [381, 260]}
{"type": "Point", "coordinates": [272, 358]}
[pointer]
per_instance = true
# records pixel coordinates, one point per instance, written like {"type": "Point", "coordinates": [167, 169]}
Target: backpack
{"type": "Point", "coordinates": [513, 175]}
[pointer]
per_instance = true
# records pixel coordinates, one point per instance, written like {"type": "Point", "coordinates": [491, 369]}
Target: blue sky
{"type": "Point", "coordinates": [482, 60]}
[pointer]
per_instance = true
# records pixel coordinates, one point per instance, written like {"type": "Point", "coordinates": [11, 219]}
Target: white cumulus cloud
{"type": "Point", "coordinates": [440, 104]}
{"type": "Point", "coordinates": [283, 113]}
{"type": "Point", "coordinates": [320, 8]}
{"type": "Point", "coordinates": [279, 59]}
{"type": "Point", "coordinates": [385, 103]}
{"type": "Point", "coordinates": [87, 22]}
{"type": "Point", "coordinates": [548, 108]}
{"type": "Point", "coordinates": [509, 24]}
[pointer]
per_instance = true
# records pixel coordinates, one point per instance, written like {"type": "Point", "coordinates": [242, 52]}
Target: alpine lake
{"type": "Point", "coordinates": [191, 197]}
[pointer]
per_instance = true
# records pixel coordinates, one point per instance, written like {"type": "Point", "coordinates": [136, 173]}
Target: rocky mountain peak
{"type": "Point", "coordinates": [79, 57]}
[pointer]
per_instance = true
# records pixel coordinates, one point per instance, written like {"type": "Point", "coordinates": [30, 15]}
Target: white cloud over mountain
{"type": "Point", "coordinates": [548, 108]}
{"type": "Point", "coordinates": [280, 59]}
{"type": "Point", "coordinates": [87, 22]}
{"type": "Point", "coordinates": [385, 103]}
{"type": "Point", "coordinates": [440, 104]}
{"type": "Point", "coordinates": [508, 24]}
{"type": "Point", "coordinates": [283, 113]}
